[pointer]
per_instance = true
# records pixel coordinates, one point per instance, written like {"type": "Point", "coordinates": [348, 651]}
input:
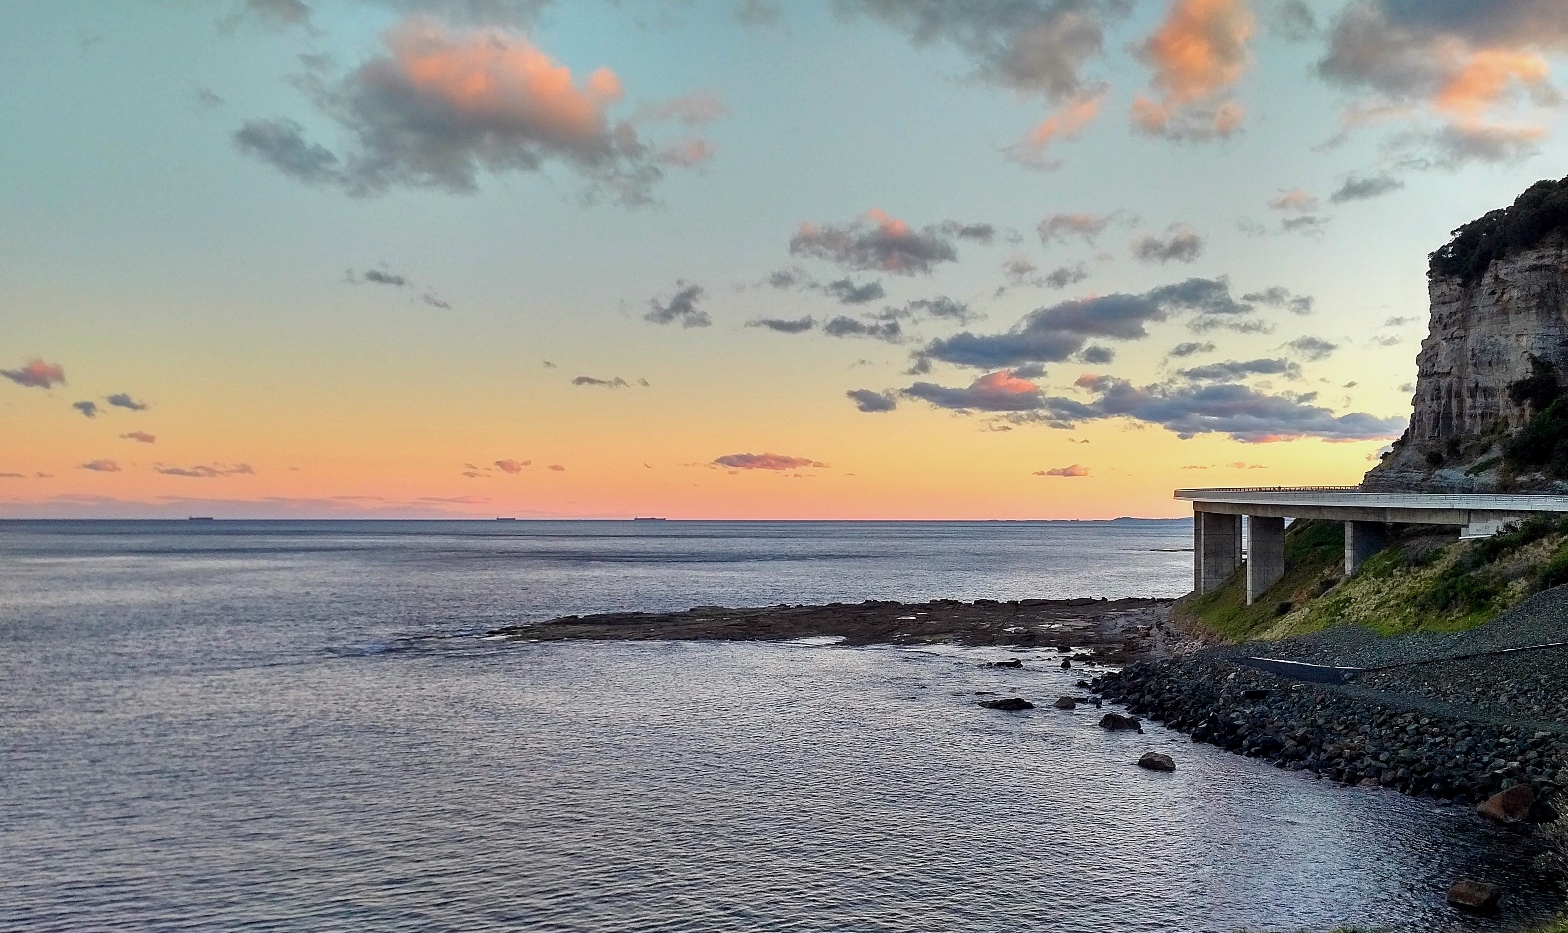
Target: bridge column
{"type": "Point", "coordinates": [1362, 540]}
{"type": "Point", "coordinates": [1216, 549]}
{"type": "Point", "coordinates": [1265, 554]}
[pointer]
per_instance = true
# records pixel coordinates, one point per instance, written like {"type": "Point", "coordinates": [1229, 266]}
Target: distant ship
{"type": "Point", "coordinates": [642, 519]}
{"type": "Point", "coordinates": [201, 518]}
{"type": "Point", "coordinates": [505, 518]}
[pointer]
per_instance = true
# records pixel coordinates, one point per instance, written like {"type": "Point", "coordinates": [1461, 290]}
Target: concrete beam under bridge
{"type": "Point", "coordinates": [1216, 549]}
{"type": "Point", "coordinates": [1265, 554]}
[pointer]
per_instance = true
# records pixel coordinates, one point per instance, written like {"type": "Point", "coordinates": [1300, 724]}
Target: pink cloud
{"type": "Point", "coordinates": [1066, 123]}
{"type": "Point", "coordinates": [1074, 470]}
{"type": "Point", "coordinates": [101, 466]}
{"type": "Point", "coordinates": [36, 374]}
{"type": "Point", "coordinates": [766, 462]}
{"type": "Point", "coordinates": [512, 466]}
{"type": "Point", "coordinates": [141, 437]}
{"type": "Point", "coordinates": [1198, 53]}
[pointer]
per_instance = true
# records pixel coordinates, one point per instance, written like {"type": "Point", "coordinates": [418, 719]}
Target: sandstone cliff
{"type": "Point", "coordinates": [1495, 357]}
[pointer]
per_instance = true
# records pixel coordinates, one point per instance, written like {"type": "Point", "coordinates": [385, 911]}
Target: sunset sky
{"type": "Point", "coordinates": [880, 259]}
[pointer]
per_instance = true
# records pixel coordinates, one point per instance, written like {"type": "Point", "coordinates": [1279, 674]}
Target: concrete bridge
{"type": "Point", "coordinates": [1218, 515]}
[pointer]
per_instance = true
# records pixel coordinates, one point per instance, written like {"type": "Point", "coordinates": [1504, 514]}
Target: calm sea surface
{"type": "Point", "coordinates": [297, 726]}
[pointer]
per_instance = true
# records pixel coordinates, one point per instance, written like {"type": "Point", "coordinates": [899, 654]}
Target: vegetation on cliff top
{"type": "Point", "coordinates": [1542, 209]}
{"type": "Point", "coordinates": [1420, 583]}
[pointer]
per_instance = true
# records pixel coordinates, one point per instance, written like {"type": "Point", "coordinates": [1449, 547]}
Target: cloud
{"type": "Point", "coordinates": [36, 374]}
{"type": "Point", "coordinates": [141, 437]}
{"type": "Point", "coordinates": [940, 308]}
{"type": "Point", "coordinates": [441, 106]}
{"type": "Point", "coordinates": [852, 293]}
{"type": "Point", "coordinates": [1294, 200]}
{"type": "Point", "coordinates": [1197, 55]}
{"type": "Point", "coordinates": [1076, 469]}
{"type": "Point", "coordinates": [1398, 321]}
{"type": "Point", "coordinates": [1034, 47]}
{"type": "Point", "coordinates": [615, 383]}
{"type": "Point", "coordinates": [1278, 297]}
{"type": "Point", "coordinates": [980, 233]}
{"type": "Point", "coordinates": [998, 391]}
{"type": "Point", "coordinates": [1309, 224]}
{"type": "Point", "coordinates": [271, 13]}
{"type": "Point", "coordinates": [556, 468]}
{"type": "Point", "coordinates": [430, 299]}
{"type": "Point", "coordinates": [88, 409]}
{"type": "Point", "coordinates": [1243, 413]}
{"type": "Point", "coordinates": [1231, 370]}
{"type": "Point", "coordinates": [122, 400]}
{"type": "Point", "coordinates": [757, 12]}
{"type": "Point", "coordinates": [842, 326]}
{"type": "Point", "coordinates": [1183, 350]}
{"type": "Point", "coordinates": [1058, 227]}
{"type": "Point", "coordinates": [1096, 355]}
{"type": "Point", "coordinates": [378, 277]}
{"type": "Point", "coordinates": [682, 307]}
{"type": "Point", "coordinates": [872, 402]}
{"type": "Point", "coordinates": [1313, 348]}
{"type": "Point", "coordinates": [765, 462]}
{"type": "Point", "coordinates": [512, 466]}
{"type": "Point", "coordinates": [783, 326]}
{"type": "Point", "coordinates": [1020, 271]}
{"type": "Point", "coordinates": [690, 109]}
{"type": "Point", "coordinates": [1055, 333]}
{"type": "Point", "coordinates": [203, 471]}
{"type": "Point", "coordinates": [687, 153]}
{"type": "Point", "coordinates": [1292, 20]}
{"type": "Point", "coordinates": [1465, 66]}
{"type": "Point", "coordinates": [877, 242]}
{"type": "Point", "coordinates": [100, 466]}
{"type": "Point", "coordinates": [1363, 187]}
{"type": "Point", "coordinates": [13, 476]}
{"type": "Point", "coordinates": [1066, 123]}
{"type": "Point", "coordinates": [1183, 245]}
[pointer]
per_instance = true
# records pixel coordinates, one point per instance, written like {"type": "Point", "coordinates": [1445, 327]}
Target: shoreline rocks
{"type": "Point", "coordinates": [1346, 737]}
{"type": "Point", "coordinates": [1008, 704]}
{"type": "Point", "coordinates": [1155, 761]}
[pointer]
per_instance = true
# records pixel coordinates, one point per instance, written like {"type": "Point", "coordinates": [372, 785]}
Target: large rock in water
{"type": "Point", "coordinates": [1475, 896]}
{"type": "Point", "coordinates": [1155, 761]}
{"type": "Point", "coordinates": [1010, 704]}
{"type": "Point", "coordinates": [1508, 806]}
{"type": "Point", "coordinates": [1116, 722]}
{"type": "Point", "coordinates": [1499, 296]}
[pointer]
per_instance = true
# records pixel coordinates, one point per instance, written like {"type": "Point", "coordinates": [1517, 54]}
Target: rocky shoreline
{"type": "Point", "coordinates": [1346, 733]}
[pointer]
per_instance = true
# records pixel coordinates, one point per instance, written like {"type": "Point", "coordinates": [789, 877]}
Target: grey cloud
{"type": "Point", "coordinates": [995, 392]}
{"type": "Point", "coordinates": [1278, 297]}
{"type": "Point", "coordinates": [1293, 20]}
{"type": "Point", "coordinates": [784, 326]}
{"type": "Point", "coordinates": [682, 307]}
{"type": "Point", "coordinates": [1398, 321]}
{"type": "Point", "coordinates": [1308, 224]}
{"type": "Point", "coordinates": [941, 308]}
{"type": "Point", "coordinates": [1058, 227]}
{"type": "Point", "coordinates": [872, 402]}
{"type": "Point", "coordinates": [1313, 348]}
{"type": "Point", "coordinates": [1096, 355]}
{"type": "Point", "coordinates": [208, 99]}
{"type": "Point", "coordinates": [408, 131]}
{"type": "Point", "coordinates": [793, 277]}
{"type": "Point", "coordinates": [1363, 187]}
{"type": "Point", "coordinates": [1029, 371]}
{"type": "Point", "coordinates": [381, 277]}
{"type": "Point", "coordinates": [1183, 350]}
{"type": "Point", "coordinates": [1055, 333]}
{"type": "Point", "coordinates": [89, 409]}
{"type": "Point", "coordinates": [851, 293]}
{"type": "Point", "coordinates": [615, 383]}
{"type": "Point", "coordinates": [1064, 276]}
{"type": "Point", "coordinates": [1029, 46]}
{"type": "Point", "coordinates": [1021, 271]}
{"type": "Point", "coordinates": [101, 466]}
{"type": "Point", "coordinates": [202, 471]}
{"type": "Point", "coordinates": [430, 299]}
{"type": "Point", "coordinates": [849, 327]}
{"type": "Point", "coordinates": [980, 233]}
{"type": "Point", "coordinates": [878, 243]}
{"type": "Point", "coordinates": [122, 400]}
{"type": "Point", "coordinates": [1231, 370]}
{"type": "Point", "coordinates": [1183, 245]}
{"type": "Point", "coordinates": [1458, 144]}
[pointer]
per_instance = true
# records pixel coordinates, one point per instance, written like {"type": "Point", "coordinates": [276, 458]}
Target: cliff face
{"type": "Point", "coordinates": [1484, 330]}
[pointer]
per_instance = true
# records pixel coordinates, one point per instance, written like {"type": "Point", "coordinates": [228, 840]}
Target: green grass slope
{"type": "Point", "coordinates": [1420, 583]}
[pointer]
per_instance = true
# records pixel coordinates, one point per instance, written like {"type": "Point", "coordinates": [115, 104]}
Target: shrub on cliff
{"type": "Point", "coordinates": [1542, 209]}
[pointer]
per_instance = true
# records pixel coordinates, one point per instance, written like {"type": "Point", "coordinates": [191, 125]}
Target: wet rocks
{"type": "Point", "coordinates": [1351, 736]}
{"type": "Point", "coordinates": [1116, 722]}
{"type": "Point", "coordinates": [1508, 806]}
{"type": "Point", "coordinates": [1010, 662]}
{"type": "Point", "coordinates": [1009, 704]}
{"type": "Point", "coordinates": [1066, 703]}
{"type": "Point", "coordinates": [1478, 897]}
{"type": "Point", "coordinates": [1154, 761]}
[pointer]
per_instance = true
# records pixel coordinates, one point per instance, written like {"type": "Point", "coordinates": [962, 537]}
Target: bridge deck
{"type": "Point", "coordinates": [1348, 503]}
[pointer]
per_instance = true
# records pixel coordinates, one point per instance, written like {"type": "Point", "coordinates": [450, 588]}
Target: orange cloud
{"type": "Point", "coordinates": [511, 466]}
{"type": "Point", "coordinates": [36, 374]}
{"type": "Point", "coordinates": [141, 437]}
{"type": "Point", "coordinates": [765, 462]}
{"type": "Point", "coordinates": [1066, 123]}
{"type": "Point", "coordinates": [1076, 469]}
{"type": "Point", "coordinates": [1485, 79]}
{"type": "Point", "coordinates": [1198, 54]}
{"type": "Point", "coordinates": [497, 78]}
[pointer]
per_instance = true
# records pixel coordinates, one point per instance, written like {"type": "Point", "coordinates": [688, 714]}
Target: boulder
{"type": "Point", "coordinates": [1010, 662]}
{"type": "Point", "coordinates": [1009, 703]}
{"type": "Point", "coordinates": [1116, 722]}
{"type": "Point", "coordinates": [1508, 806]}
{"type": "Point", "coordinates": [1475, 896]}
{"type": "Point", "coordinates": [1067, 665]}
{"type": "Point", "coordinates": [1066, 703]}
{"type": "Point", "coordinates": [1155, 761]}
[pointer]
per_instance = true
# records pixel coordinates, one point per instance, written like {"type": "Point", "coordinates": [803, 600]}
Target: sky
{"type": "Point", "coordinates": [733, 259]}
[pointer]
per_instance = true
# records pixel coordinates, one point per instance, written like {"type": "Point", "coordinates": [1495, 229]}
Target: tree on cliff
{"type": "Point", "coordinates": [1542, 209]}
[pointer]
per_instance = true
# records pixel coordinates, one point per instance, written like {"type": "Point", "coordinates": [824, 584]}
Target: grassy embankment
{"type": "Point", "coordinates": [1420, 583]}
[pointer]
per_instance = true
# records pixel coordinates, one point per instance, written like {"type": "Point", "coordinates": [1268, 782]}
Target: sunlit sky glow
{"type": "Point", "coordinates": [880, 259]}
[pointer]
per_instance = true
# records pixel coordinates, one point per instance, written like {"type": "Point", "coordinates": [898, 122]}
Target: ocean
{"type": "Point", "coordinates": [301, 726]}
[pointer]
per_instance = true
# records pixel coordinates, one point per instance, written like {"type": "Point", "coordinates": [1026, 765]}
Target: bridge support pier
{"type": "Point", "coordinates": [1362, 540]}
{"type": "Point", "coordinates": [1265, 554]}
{"type": "Point", "coordinates": [1216, 549]}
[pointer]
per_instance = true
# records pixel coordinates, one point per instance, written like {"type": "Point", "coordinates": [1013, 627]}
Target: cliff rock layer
{"type": "Point", "coordinates": [1499, 295]}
